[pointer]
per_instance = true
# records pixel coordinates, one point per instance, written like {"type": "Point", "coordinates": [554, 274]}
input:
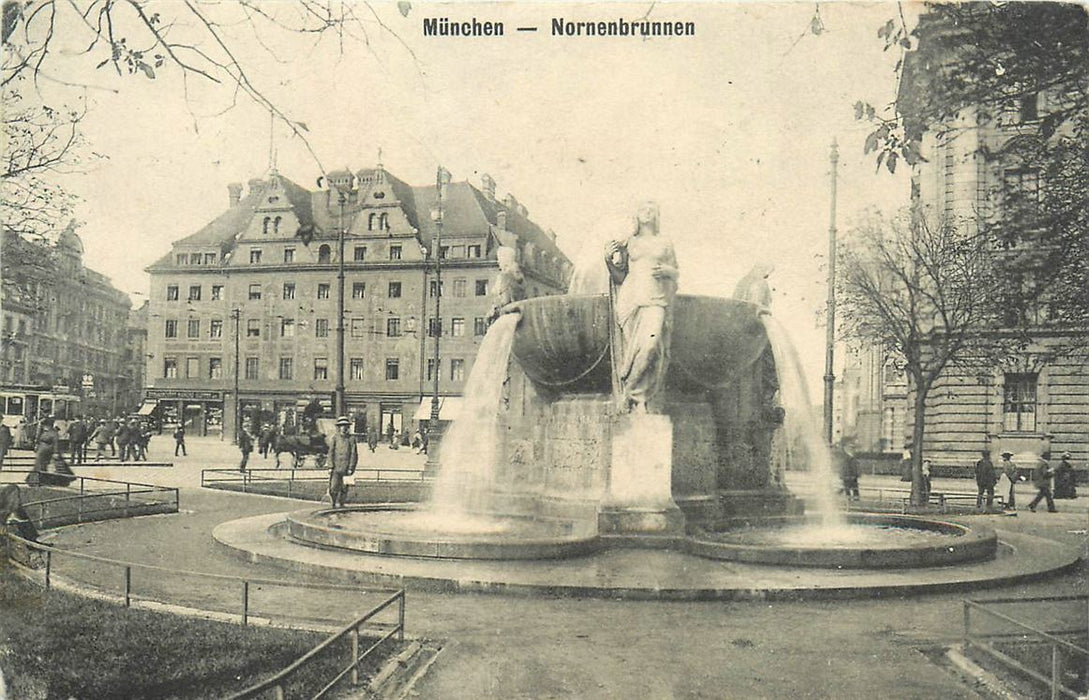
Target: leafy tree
{"type": "Point", "coordinates": [994, 61]}
{"type": "Point", "coordinates": [921, 291]}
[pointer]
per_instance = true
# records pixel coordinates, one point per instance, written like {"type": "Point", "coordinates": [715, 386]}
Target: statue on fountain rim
{"type": "Point", "coordinates": [643, 275]}
{"type": "Point", "coordinates": [509, 288]}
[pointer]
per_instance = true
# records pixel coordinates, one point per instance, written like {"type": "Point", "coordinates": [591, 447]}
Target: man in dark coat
{"type": "Point", "coordinates": [343, 457]}
{"type": "Point", "coordinates": [849, 469]}
{"type": "Point", "coordinates": [77, 438]}
{"type": "Point", "coordinates": [1065, 478]}
{"type": "Point", "coordinates": [179, 441]}
{"type": "Point", "coordinates": [1041, 479]}
{"type": "Point", "coordinates": [986, 478]}
{"type": "Point", "coordinates": [124, 436]}
{"type": "Point", "coordinates": [245, 446]}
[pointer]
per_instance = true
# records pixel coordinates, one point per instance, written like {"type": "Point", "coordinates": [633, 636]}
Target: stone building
{"type": "Point", "coordinates": [64, 325]}
{"type": "Point", "coordinates": [974, 172]}
{"type": "Point", "coordinates": [262, 278]}
{"type": "Point", "coordinates": [870, 401]}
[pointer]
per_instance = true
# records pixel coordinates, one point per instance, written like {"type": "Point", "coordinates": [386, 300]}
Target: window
{"type": "Point", "coordinates": [431, 368]}
{"type": "Point", "coordinates": [457, 370]}
{"type": "Point", "coordinates": [181, 259]}
{"type": "Point", "coordinates": [265, 225]}
{"type": "Point", "coordinates": [253, 365]}
{"type": "Point", "coordinates": [457, 327]}
{"type": "Point", "coordinates": [359, 290]}
{"type": "Point", "coordinates": [194, 293]}
{"type": "Point", "coordinates": [371, 219]}
{"type": "Point", "coordinates": [457, 252]}
{"type": "Point", "coordinates": [209, 258]}
{"type": "Point", "coordinates": [434, 327]}
{"type": "Point", "coordinates": [193, 328]}
{"type": "Point", "coordinates": [459, 287]}
{"type": "Point", "coordinates": [482, 288]}
{"type": "Point", "coordinates": [287, 328]}
{"type": "Point", "coordinates": [383, 220]}
{"type": "Point", "coordinates": [255, 292]}
{"type": "Point", "coordinates": [323, 290]}
{"type": "Point", "coordinates": [436, 289]}
{"type": "Point", "coordinates": [1019, 404]}
{"type": "Point", "coordinates": [472, 251]}
{"type": "Point", "coordinates": [255, 256]}
{"type": "Point", "coordinates": [393, 369]}
{"type": "Point", "coordinates": [195, 259]}
{"type": "Point", "coordinates": [217, 292]}
{"type": "Point", "coordinates": [444, 252]}
{"type": "Point", "coordinates": [480, 325]}
{"type": "Point", "coordinates": [172, 292]}
{"type": "Point", "coordinates": [358, 329]}
{"type": "Point", "coordinates": [355, 369]}
{"type": "Point", "coordinates": [215, 328]}
{"type": "Point", "coordinates": [276, 221]}
{"type": "Point", "coordinates": [192, 368]}
{"type": "Point", "coordinates": [1028, 109]}
{"type": "Point", "coordinates": [393, 327]}
{"type": "Point", "coordinates": [360, 253]}
{"type": "Point", "coordinates": [395, 252]}
{"type": "Point", "coordinates": [170, 367]}
{"type": "Point", "coordinates": [325, 255]}
{"type": "Point", "coordinates": [1022, 191]}
{"type": "Point", "coordinates": [287, 368]}
{"type": "Point", "coordinates": [321, 368]}
{"type": "Point", "coordinates": [289, 255]}
{"type": "Point", "coordinates": [253, 328]}
{"type": "Point", "coordinates": [289, 290]}
{"type": "Point", "coordinates": [215, 367]}
{"type": "Point", "coordinates": [321, 328]}
{"type": "Point", "coordinates": [394, 290]}
{"type": "Point", "coordinates": [171, 328]}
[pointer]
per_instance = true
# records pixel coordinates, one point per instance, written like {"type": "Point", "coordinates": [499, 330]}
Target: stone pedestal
{"type": "Point", "coordinates": [639, 500]}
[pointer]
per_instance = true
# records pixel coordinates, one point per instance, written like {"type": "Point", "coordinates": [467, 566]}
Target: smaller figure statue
{"type": "Point", "coordinates": [754, 288]}
{"type": "Point", "coordinates": [509, 287]}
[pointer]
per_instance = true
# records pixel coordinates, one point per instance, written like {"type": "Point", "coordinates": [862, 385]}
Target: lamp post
{"type": "Point", "coordinates": [442, 179]}
{"type": "Point", "coordinates": [341, 407]}
{"type": "Point", "coordinates": [236, 314]}
{"type": "Point", "coordinates": [830, 328]}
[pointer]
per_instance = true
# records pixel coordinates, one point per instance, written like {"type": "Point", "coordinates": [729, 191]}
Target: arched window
{"type": "Point", "coordinates": [276, 225]}
{"type": "Point", "coordinates": [264, 227]}
{"type": "Point", "coordinates": [324, 254]}
{"type": "Point", "coordinates": [383, 222]}
{"type": "Point", "coordinates": [370, 221]}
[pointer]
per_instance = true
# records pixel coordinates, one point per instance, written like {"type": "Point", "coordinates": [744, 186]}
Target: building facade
{"type": "Point", "coordinates": [64, 325]}
{"type": "Point", "coordinates": [249, 302]}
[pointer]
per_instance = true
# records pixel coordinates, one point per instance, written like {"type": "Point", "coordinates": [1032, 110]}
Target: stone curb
{"type": "Point", "coordinates": [397, 676]}
{"type": "Point", "coordinates": [978, 674]}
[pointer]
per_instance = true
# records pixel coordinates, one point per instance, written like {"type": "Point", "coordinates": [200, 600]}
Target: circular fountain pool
{"type": "Point", "coordinates": [866, 541]}
{"type": "Point", "coordinates": [422, 533]}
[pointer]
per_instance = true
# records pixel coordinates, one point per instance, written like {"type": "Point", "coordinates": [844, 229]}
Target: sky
{"type": "Point", "coordinates": [729, 131]}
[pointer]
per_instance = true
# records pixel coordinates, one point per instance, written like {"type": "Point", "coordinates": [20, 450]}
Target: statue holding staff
{"type": "Point", "coordinates": [643, 272]}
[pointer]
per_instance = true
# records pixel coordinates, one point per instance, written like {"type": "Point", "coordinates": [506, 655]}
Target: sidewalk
{"type": "Point", "coordinates": [512, 647]}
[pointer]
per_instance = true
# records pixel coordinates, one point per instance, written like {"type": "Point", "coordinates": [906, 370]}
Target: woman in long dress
{"type": "Point", "coordinates": [644, 268]}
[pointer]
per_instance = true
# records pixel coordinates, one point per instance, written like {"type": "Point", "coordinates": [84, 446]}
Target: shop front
{"type": "Point", "coordinates": [199, 412]}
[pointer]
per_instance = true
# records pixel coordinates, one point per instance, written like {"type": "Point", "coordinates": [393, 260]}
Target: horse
{"type": "Point", "coordinates": [299, 446]}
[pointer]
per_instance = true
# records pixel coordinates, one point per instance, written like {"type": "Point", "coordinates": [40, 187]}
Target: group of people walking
{"type": "Point", "coordinates": [1043, 477]}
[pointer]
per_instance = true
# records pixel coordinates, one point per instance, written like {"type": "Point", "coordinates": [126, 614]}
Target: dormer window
{"type": "Point", "coordinates": [273, 199]}
{"type": "Point", "coordinates": [379, 195]}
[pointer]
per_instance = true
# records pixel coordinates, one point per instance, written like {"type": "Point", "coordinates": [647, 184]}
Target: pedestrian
{"type": "Point", "coordinates": [343, 457]}
{"type": "Point", "coordinates": [424, 440]}
{"type": "Point", "coordinates": [111, 436]}
{"type": "Point", "coordinates": [264, 440]}
{"type": "Point", "coordinates": [1065, 478]}
{"type": "Point", "coordinates": [179, 441]}
{"type": "Point", "coordinates": [47, 446]}
{"type": "Point", "coordinates": [5, 442]}
{"type": "Point", "coordinates": [372, 439]}
{"type": "Point", "coordinates": [77, 437]}
{"type": "Point", "coordinates": [1041, 479]}
{"type": "Point", "coordinates": [1009, 470]}
{"type": "Point", "coordinates": [849, 470]}
{"type": "Point", "coordinates": [925, 486]}
{"type": "Point", "coordinates": [123, 437]}
{"type": "Point", "coordinates": [986, 478]}
{"type": "Point", "coordinates": [245, 446]}
{"type": "Point", "coordinates": [417, 442]}
{"type": "Point", "coordinates": [100, 439]}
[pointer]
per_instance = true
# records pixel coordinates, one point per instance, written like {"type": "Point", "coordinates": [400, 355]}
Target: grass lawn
{"type": "Point", "coordinates": [58, 645]}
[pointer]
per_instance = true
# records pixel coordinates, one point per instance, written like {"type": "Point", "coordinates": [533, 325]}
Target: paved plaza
{"type": "Point", "coordinates": [501, 646]}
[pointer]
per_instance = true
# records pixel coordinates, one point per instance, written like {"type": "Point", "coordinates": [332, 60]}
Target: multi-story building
{"type": "Point", "coordinates": [975, 173]}
{"type": "Point", "coordinates": [64, 324]}
{"type": "Point", "coordinates": [250, 300]}
{"type": "Point", "coordinates": [870, 394]}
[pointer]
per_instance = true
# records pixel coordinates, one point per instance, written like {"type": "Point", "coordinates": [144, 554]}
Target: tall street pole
{"type": "Point", "coordinates": [341, 407]}
{"type": "Point", "coordinates": [442, 178]}
{"type": "Point", "coordinates": [236, 314]}
{"type": "Point", "coordinates": [830, 329]}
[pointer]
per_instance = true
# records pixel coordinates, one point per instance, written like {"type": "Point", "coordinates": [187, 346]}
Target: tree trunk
{"type": "Point", "coordinates": [917, 445]}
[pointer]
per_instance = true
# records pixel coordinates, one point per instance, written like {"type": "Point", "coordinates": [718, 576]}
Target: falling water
{"type": "Point", "coordinates": [470, 448]}
{"type": "Point", "coordinates": [800, 426]}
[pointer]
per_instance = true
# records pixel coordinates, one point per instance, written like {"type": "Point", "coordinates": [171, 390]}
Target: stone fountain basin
{"type": "Point", "coordinates": [402, 531]}
{"type": "Point", "coordinates": [957, 544]}
{"type": "Point", "coordinates": [562, 342]}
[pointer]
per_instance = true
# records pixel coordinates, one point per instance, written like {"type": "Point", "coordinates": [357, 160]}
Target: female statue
{"type": "Point", "coordinates": [644, 270]}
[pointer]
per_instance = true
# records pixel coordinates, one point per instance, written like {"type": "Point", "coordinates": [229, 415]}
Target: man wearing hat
{"type": "Point", "coordinates": [986, 478]}
{"type": "Point", "coordinates": [1009, 470]}
{"type": "Point", "coordinates": [342, 461]}
{"type": "Point", "coordinates": [1041, 479]}
{"type": "Point", "coordinates": [1065, 478]}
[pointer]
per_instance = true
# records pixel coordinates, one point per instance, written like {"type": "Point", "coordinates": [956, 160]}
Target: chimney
{"type": "Point", "coordinates": [501, 220]}
{"type": "Point", "coordinates": [234, 191]}
{"type": "Point", "coordinates": [256, 184]}
{"type": "Point", "coordinates": [488, 185]}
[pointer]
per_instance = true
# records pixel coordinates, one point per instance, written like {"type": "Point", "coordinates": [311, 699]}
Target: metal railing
{"type": "Point", "coordinates": [1004, 636]}
{"type": "Point", "coordinates": [99, 499]}
{"type": "Point", "coordinates": [251, 477]}
{"type": "Point", "coordinates": [352, 632]}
